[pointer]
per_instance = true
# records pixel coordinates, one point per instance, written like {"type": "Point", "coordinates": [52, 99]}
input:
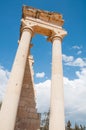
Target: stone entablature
{"type": "Point", "coordinates": [50, 17]}
{"type": "Point", "coordinates": [38, 24]}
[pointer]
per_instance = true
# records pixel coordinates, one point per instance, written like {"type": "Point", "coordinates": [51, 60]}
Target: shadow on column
{"type": "Point", "coordinates": [27, 116]}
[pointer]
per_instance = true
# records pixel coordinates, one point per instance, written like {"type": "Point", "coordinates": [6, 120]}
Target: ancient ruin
{"type": "Point", "coordinates": [18, 111]}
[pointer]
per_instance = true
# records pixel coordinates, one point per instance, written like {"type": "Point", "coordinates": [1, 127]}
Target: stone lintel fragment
{"type": "Point", "coordinates": [50, 17]}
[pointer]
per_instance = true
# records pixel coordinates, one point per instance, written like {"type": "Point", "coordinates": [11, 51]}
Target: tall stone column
{"type": "Point", "coordinates": [57, 96]}
{"type": "Point", "coordinates": [10, 103]}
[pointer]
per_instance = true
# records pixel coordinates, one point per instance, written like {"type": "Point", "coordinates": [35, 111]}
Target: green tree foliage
{"type": "Point", "coordinates": [82, 127]}
{"type": "Point", "coordinates": [45, 121]}
{"type": "Point", "coordinates": [77, 127]}
{"type": "Point", "coordinates": [69, 124]}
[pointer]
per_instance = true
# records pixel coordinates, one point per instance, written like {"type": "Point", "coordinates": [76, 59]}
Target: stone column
{"type": "Point", "coordinates": [57, 96]}
{"type": "Point", "coordinates": [10, 103]}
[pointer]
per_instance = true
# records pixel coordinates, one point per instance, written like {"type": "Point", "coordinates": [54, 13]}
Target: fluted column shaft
{"type": "Point", "coordinates": [57, 96]}
{"type": "Point", "coordinates": [10, 103]}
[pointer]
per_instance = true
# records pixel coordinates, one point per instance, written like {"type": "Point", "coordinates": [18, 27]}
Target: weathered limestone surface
{"type": "Point", "coordinates": [50, 17]}
{"type": "Point", "coordinates": [20, 93]}
{"type": "Point", "coordinates": [10, 103]}
{"type": "Point", "coordinates": [27, 117]}
{"type": "Point", "coordinates": [57, 120]}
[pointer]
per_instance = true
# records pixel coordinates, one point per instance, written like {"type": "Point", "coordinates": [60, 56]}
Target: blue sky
{"type": "Point", "coordinates": [73, 49]}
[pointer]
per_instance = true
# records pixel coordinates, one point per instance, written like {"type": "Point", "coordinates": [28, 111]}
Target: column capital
{"type": "Point", "coordinates": [58, 34]}
{"type": "Point", "coordinates": [25, 26]}
{"type": "Point", "coordinates": [53, 37]}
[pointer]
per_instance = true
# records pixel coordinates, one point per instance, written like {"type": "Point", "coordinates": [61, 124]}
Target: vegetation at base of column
{"type": "Point", "coordinates": [68, 126]}
{"type": "Point", "coordinates": [45, 121]}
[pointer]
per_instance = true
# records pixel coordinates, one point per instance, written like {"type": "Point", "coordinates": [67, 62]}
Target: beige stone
{"type": "Point", "coordinates": [19, 103]}
{"type": "Point", "coordinates": [27, 116]}
{"type": "Point", "coordinates": [11, 100]}
{"type": "Point", "coordinates": [57, 96]}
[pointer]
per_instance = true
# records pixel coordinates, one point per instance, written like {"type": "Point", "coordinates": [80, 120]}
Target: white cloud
{"type": "Point", "coordinates": [77, 47]}
{"type": "Point", "coordinates": [40, 75]}
{"type": "Point", "coordinates": [67, 58]}
{"type": "Point", "coordinates": [79, 52]}
{"type": "Point", "coordinates": [77, 62]}
{"type": "Point", "coordinates": [74, 93]}
{"type": "Point", "coordinates": [43, 95]}
{"type": "Point", "coordinates": [4, 75]}
{"type": "Point", "coordinates": [75, 96]}
{"type": "Point", "coordinates": [70, 61]}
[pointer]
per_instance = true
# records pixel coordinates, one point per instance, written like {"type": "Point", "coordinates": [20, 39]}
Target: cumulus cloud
{"type": "Point", "coordinates": [4, 75]}
{"type": "Point", "coordinates": [75, 92]}
{"type": "Point", "coordinates": [70, 61]}
{"type": "Point", "coordinates": [40, 75]}
{"type": "Point", "coordinates": [77, 62]}
{"type": "Point", "coordinates": [74, 96]}
{"type": "Point", "coordinates": [43, 95]}
{"type": "Point", "coordinates": [67, 58]}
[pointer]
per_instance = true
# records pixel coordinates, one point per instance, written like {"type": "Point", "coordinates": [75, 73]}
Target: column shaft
{"type": "Point", "coordinates": [57, 96]}
{"type": "Point", "coordinates": [10, 103]}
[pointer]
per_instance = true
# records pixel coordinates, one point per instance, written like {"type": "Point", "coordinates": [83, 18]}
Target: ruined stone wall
{"type": "Point", "coordinates": [27, 116]}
